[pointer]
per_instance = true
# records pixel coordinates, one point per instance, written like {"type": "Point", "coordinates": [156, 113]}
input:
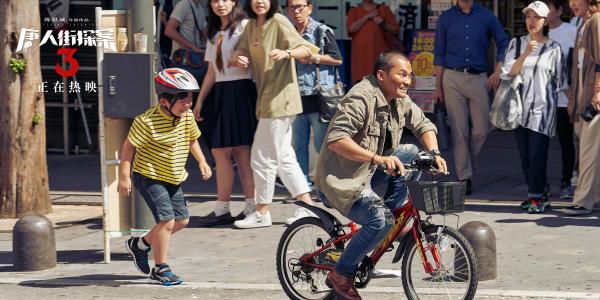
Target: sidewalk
{"type": "Point", "coordinates": [547, 256]}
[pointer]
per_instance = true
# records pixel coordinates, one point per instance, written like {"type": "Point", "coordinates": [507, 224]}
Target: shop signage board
{"type": "Point", "coordinates": [421, 57]}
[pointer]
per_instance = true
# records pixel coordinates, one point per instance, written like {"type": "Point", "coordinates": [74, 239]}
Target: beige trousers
{"type": "Point", "coordinates": [466, 98]}
{"type": "Point", "coordinates": [587, 193]}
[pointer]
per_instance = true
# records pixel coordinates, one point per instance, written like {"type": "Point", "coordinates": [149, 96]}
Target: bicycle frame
{"type": "Point", "coordinates": [402, 216]}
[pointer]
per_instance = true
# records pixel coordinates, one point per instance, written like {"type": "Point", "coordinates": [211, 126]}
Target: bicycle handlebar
{"type": "Point", "coordinates": [424, 161]}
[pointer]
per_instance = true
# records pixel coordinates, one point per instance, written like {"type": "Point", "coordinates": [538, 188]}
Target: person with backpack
{"type": "Point", "coordinates": [539, 62]}
{"type": "Point", "coordinates": [329, 56]}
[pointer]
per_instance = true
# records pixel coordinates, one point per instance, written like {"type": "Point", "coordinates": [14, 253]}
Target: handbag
{"type": "Point", "coordinates": [507, 108]}
{"type": "Point", "coordinates": [329, 98]}
{"type": "Point", "coordinates": [443, 134]}
{"type": "Point", "coordinates": [189, 57]}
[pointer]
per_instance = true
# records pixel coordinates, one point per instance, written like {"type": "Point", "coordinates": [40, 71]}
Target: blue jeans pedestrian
{"type": "Point", "coordinates": [301, 137]}
{"type": "Point", "coordinates": [374, 214]}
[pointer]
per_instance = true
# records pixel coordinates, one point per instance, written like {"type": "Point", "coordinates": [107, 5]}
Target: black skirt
{"type": "Point", "coordinates": [233, 114]}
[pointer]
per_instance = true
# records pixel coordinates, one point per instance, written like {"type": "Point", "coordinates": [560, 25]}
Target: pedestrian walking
{"type": "Point", "coordinates": [462, 39]}
{"type": "Point", "coordinates": [563, 33]}
{"type": "Point", "coordinates": [367, 25]}
{"type": "Point", "coordinates": [585, 105]}
{"type": "Point", "coordinates": [161, 138]}
{"type": "Point", "coordinates": [366, 132]}
{"type": "Point", "coordinates": [233, 111]}
{"type": "Point", "coordinates": [187, 28]}
{"type": "Point", "coordinates": [269, 45]}
{"type": "Point", "coordinates": [299, 11]}
{"type": "Point", "coordinates": [539, 63]}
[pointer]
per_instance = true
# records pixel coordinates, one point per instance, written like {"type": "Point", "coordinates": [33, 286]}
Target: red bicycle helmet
{"type": "Point", "coordinates": [175, 80]}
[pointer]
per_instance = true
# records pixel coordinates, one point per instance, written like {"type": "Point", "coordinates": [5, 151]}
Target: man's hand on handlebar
{"type": "Point", "coordinates": [392, 164]}
{"type": "Point", "coordinates": [441, 164]}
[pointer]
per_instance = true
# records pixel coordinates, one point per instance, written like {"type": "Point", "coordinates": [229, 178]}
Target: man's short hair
{"type": "Point", "coordinates": [558, 4]}
{"type": "Point", "coordinates": [384, 61]}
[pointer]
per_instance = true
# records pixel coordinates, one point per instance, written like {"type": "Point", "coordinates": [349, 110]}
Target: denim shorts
{"type": "Point", "coordinates": [165, 200]}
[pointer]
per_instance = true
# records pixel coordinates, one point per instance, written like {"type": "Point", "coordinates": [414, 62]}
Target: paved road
{"type": "Point", "coordinates": [548, 255]}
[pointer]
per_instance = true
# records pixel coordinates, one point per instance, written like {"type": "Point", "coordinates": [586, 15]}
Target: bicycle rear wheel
{"type": "Point", "coordinates": [454, 278]}
{"type": "Point", "coordinates": [300, 281]}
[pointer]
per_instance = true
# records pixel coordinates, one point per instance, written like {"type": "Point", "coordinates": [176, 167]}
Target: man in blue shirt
{"type": "Point", "coordinates": [462, 39]}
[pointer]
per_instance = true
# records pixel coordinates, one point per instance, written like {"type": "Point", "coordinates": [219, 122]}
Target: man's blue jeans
{"type": "Point", "coordinates": [301, 137]}
{"type": "Point", "coordinates": [374, 214]}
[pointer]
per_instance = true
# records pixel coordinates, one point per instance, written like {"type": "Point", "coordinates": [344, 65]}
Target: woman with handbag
{"type": "Point", "coordinates": [540, 66]}
{"type": "Point", "coordinates": [585, 105]}
{"type": "Point", "coordinates": [312, 83]}
{"type": "Point", "coordinates": [233, 112]}
{"type": "Point", "coordinates": [269, 45]}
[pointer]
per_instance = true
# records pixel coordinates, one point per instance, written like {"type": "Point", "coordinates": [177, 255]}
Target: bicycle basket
{"type": "Point", "coordinates": [433, 197]}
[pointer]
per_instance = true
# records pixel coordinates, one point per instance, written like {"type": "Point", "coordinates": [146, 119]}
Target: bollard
{"type": "Point", "coordinates": [483, 240]}
{"type": "Point", "coordinates": [34, 246]}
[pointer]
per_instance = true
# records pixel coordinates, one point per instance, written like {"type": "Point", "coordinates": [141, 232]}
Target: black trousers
{"type": "Point", "coordinates": [533, 150]}
{"type": "Point", "coordinates": [564, 130]}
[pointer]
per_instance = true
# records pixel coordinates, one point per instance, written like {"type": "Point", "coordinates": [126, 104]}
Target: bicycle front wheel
{"type": "Point", "coordinates": [455, 277]}
{"type": "Point", "coordinates": [299, 280]}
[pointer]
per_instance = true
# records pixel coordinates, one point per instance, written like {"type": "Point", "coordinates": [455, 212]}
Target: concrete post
{"type": "Point", "coordinates": [483, 240]}
{"type": "Point", "coordinates": [140, 19]}
{"type": "Point", "coordinates": [34, 246]}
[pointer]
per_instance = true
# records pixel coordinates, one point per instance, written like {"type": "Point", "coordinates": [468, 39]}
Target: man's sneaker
{"type": "Point", "coordinates": [254, 220]}
{"type": "Point", "coordinates": [300, 213]}
{"type": "Point", "coordinates": [538, 205]}
{"type": "Point", "coordinates": [566, 191]}
{"type": "Point", "coordinates": [576, 210]}
{"type": "Point", "coordinates": [140, 257]}
{"type": "Point", "coordinates": [165, 276]}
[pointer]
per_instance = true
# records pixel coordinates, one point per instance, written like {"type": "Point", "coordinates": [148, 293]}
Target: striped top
{"type": "Point", "coordinates": [539, 92]}
{"type": "Point", "coordinates": [162, 147]}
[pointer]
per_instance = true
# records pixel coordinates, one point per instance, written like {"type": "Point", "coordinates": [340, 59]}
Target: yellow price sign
{"type": "Point", "coordinates": [423, 64]}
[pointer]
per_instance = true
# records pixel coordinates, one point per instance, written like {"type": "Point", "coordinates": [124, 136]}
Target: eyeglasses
{"type": "Point", "coordinates": [297, 8]}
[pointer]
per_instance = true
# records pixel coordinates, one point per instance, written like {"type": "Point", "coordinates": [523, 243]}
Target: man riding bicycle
{"type": "Point", "coordinates": [365, 133]}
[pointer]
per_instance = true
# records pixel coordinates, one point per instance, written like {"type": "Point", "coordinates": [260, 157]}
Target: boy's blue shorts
{"type": "Point", "coordinates": [164, 199]}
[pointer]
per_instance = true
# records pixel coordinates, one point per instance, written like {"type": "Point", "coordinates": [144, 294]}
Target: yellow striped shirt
{"type": "Point", "coordinates": [161, 147]}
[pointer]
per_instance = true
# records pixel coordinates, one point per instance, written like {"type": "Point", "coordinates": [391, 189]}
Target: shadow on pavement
{"type": "Point", "coordinates": [85, 280]}
{"type": "Point", "coordinates": [93, 223]}
{"type": "Point", "coordinates": [551, 218]}
{"type": "Point", "coordinates": [67, 257]}
{"type": "Point", "coordinates": [559, 221]}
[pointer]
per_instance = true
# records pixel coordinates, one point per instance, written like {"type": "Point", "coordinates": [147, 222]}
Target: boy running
{"type": "Point", "coordinates": [162, 137]}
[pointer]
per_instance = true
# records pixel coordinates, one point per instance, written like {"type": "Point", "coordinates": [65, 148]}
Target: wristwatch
{"type": "Point", "coordinates": [289, 53]}
{"type": "Point", "coordinates": [317, 59]}
{"type": "Point", "coordinates": [435, 152]}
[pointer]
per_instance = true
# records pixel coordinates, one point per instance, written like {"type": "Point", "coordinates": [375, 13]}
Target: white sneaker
{"type": "Point", "coordinates": [300, 213]}
{"type": "Point", "coordinates": [254, 220]}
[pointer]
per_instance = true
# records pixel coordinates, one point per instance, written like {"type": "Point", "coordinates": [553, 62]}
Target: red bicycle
{"type": "Point", "coordinates": [437, 260]}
